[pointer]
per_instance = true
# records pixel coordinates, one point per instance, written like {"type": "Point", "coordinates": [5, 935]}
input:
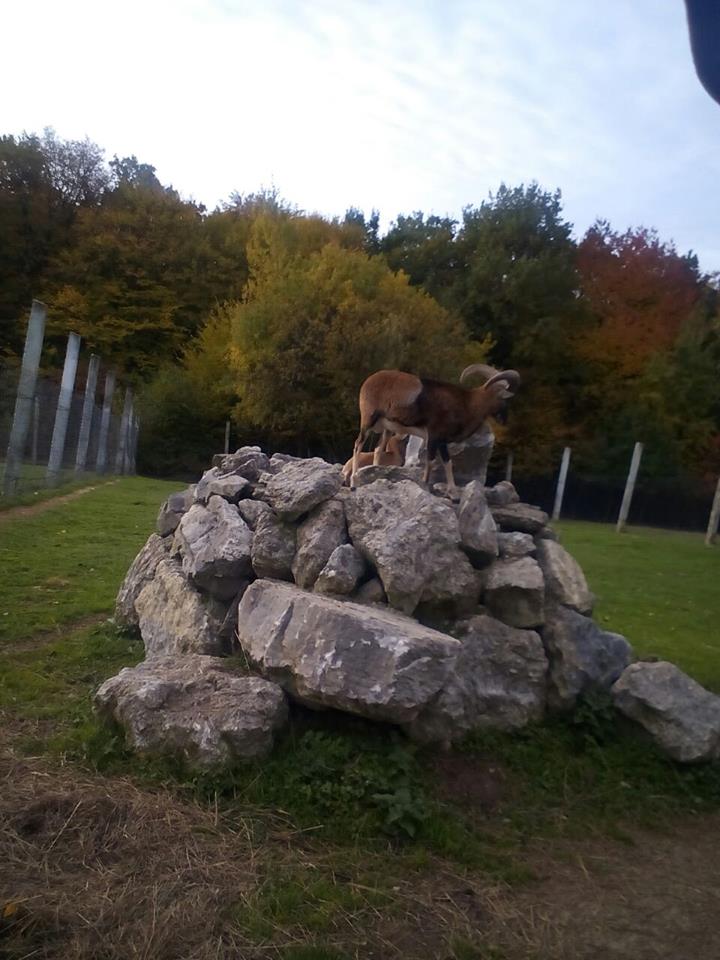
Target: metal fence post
{"type": "Point", "coordinates": [87, 414]}
{"type": "Point", "coordinates": [509, 465]}
{"type": "Point", "coordinates": [227, 436]}
{"type": "Point", "coordinates": [25, 394]}
{"type": "Point", "coordinates": [122, 435]}
{"type": "Point", "coordinates": [101, 459]}
{"type": "Point", "coordinates": [136, 434]}
{"type": "Point", "coordinates": [35, 429]}
{"type": "Point", "coordinates": [127, 452]}
{"type": "Point", "coordinates": [562, 477]}
{"type": "Point", "coordinates": [629, 487]}
{"type": "Point", "coordinates": [714, 520]}
{"type": "Point", "coordinates": [62, 414]}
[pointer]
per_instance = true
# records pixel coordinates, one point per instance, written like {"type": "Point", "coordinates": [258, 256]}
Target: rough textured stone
{"type": "Point", "coordinates": [515, 592]}
{"type": "Point", "coordinates": [371, 592]}
{"type": "Point", "coordinates": [413, 540]}
{"type": "Point", "coordinates": [172, 616]}
{"type": "Point", "coordinates": [470, 458]}
{"type": "Point", "coordinates": [171, 512]}
{"type": "Point", "coordinates": [278, 461]}
{"type": "Point", "coordinates": [252, 510]}
{"type": "Point", "coordinates": [393, 474]}
{"type": "Point", "coordinates": [194, 709]}
{"type": "Point", "coordinates": [498, 680]}
{"type": "Point", "coordinates": [141, 572]}
{"type": "Point", "coordinates": [369, 661]}
{"type": "Point", "coordinates": [501, 494]}
{"type": "Point", "coordinates": [564, 580]}
{"type": "Point", "coordinates": [340, 575]}
{"type": "Point", "coordinates": [582, 656]}
{"type": "Point", "coordinates": [273, 547]}
{"type": "Point", "coordinates": [301, 485]}
{"type": "Point", "coordinates": [478, 531]}
{"type": "Point", "coordinates": [248, 462]}
{"type": "Point", "coordinates": [520, 516]}
{"type": "Point", "coordinates": [215, 543]}
{"type": "Point", "coordinates": [229, 486]}
{"type": "Point", "coordinates": [512, 546]}
{"type": "Point", "coordinates": [680, 716]}
{"type": "Point", "coordinates": [317, 537]}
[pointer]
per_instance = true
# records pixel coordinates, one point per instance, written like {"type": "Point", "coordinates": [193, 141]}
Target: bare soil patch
{"type": "Point", "coordinates": [34, 509]}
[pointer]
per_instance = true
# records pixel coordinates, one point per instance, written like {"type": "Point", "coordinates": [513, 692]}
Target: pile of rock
{"type": "Point", "coordinates": [269, 580]}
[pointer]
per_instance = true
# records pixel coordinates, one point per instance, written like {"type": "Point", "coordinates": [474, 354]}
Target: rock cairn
{"type": "Point", "coordinates": [268, 580]}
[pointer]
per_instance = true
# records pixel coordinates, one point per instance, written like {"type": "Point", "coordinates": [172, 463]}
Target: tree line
{"type": "Point", "coordinates": [268, 315]}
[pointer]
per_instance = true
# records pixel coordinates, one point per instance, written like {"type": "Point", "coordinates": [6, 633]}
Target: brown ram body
{"type": "Point", "coordinates": [393, 402]}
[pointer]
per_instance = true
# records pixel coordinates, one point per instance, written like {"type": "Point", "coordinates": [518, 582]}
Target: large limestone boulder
{"type": "Point", "coordinates": [413, 540]}
{"type": "Point", "coordinates": [342, 573]}
{"type": "Point", "coordinates": [273, 547]}
{"type": "Point", "coordinates": [515, 592]}
{"type": "Point", "coordinates": [680, 716]}
{"type": "Point", "coordinates": [498, 680]}
{"type": "Point", "coordinates": [564, 580]}
{"type": "Point", "coordinates": [501, 494]}
{"type": "Point", "coordinates": [172, 616]}
{"type": "Point", "coordinates": [141, 572]}
{"type": "Point", "coordinates": [193, 708]}
{"type": "Point", "coordinates": [335, 653]}
{"type": "Point", "coordinates": [512, 546]}
{"type": "Point", "coordinates": [215, 545]}
{"type": "Point", "coordinates": [301, 485]}
{"type": "Point", "coordinates": [582, 656]}
{"type": "Point", "coordinates": [478, 530]}
{"type": "Point", "coordinates": [317, 537]}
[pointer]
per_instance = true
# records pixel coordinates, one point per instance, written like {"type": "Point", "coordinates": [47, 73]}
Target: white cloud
{"type": "Point", "coordinates": [400, 105]}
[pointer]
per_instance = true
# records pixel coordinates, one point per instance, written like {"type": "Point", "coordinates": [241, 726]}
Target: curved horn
{"type": "Point", "coordinates": [482, 368]}
{"type": "Point", "coordinates": [510, 378]}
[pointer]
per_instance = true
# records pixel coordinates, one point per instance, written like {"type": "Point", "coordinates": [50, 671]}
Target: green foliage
{"type": "Point", "coordinates": [316, 320]}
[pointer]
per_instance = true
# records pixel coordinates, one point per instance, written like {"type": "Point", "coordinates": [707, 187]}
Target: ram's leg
{"type": "Point", "coordinates": [431, 449]}
{"type": "Point", "coordinates": [381, 447]}
{"type": "Point", "coordinates": [452, 490]}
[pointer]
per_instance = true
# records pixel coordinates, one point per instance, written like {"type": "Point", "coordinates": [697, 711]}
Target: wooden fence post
{"type": "Point", "coordinates": [24, 398]}
{"type": "Point", "coordinates": [629, 487]}
{"type": "Point", "coordinates": [227, 436]}
{"type": "Point", "coordinates": [87, 414]}
{"type": "Point", "coordinates": [714, 518]}
{"type": "Point", "coordinates": [62, 414]}
{"type": "Point", "coordinates": [562, 477]}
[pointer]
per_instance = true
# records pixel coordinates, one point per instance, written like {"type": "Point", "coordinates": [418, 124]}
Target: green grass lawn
{"type": "Point", "coordinates": [31, 485]}
{"type": "Point", "coordinates": [659, 588]}
{"type": "Point", "coordinates": [380, 814]}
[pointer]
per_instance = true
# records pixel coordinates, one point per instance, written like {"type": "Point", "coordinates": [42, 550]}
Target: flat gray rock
{"type": "Point", "coordinates": [564, 580]}
{"type": "Point", "coordinates": [171, 512]}
{"type": "Point", "coordinates": [501, 494]}
{"type": "Point", "coordinates": [252, 510]}
{"type": "Point", "coordinates": [141, 572]}
{"type": "Point", "coordinates": [371, 592]}
{"type": "Point", "coordinates": [512, 546]}
{"type": "Point", "coordinates": [229, 486]}
{"type": "Point", "coordinates": [522, 517]}
{"type": "Point", "coordinates": [172, 616]}
{"type": "Point", "coordinates": [515, 592]}
{"type": "Point", "coordinates": [248, 462]}
{"type": "Point", "coordinates": [413, 540]}
{"type": "Point", "coordinates": [215, 545]}
{"type": "Point", "coordinates": [317, 537]}
{"type": "Point", "coordinates": [300, 485]}
{"type": "Point", "coordinates": [194, 709]}
{"type": "Point", "coordinates": [327, 652]}
{"type": "Point", "coordinates": [342, 573]}
{"type": "Point", "coordinates": [680, 716]}
{"type": "Point", "coordinates": [273, 547]}
{"type": "Point", "coordinates": [498, 681]}
{"type": "Point", "coordinates": [393, 474]}
{"type": "Point", "coordinates": [582, 656]}
{"type": "Point", "coordinates": [478, 530]}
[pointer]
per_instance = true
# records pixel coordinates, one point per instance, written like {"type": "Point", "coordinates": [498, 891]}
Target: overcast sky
{"type": "Point", "coordinates": [400, 105]}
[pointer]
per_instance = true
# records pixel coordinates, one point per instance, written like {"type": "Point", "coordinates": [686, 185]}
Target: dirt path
{"type": "Point", "coordinates": [102, 863]}
{"type": "Point", "coordinates": [34, 508]}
